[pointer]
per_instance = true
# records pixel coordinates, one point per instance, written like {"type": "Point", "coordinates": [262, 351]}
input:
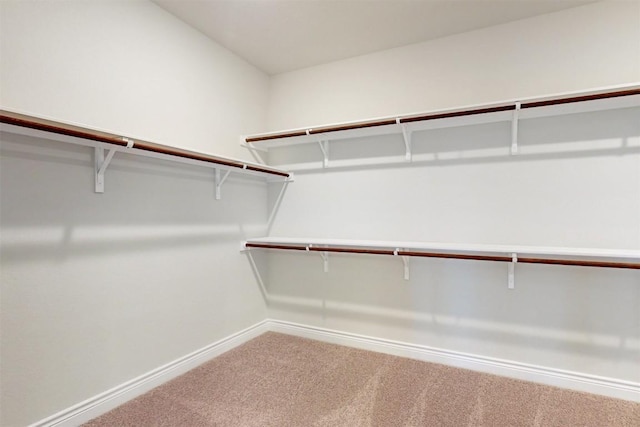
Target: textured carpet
{"type": "Point", "coordinates": [280, 380]}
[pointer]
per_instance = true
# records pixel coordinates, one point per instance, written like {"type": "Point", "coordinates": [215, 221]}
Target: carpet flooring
{"type": "Point", "coordinates": [281, 380]}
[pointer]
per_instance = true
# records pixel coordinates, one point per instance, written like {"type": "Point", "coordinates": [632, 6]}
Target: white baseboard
{"type": "Point", "coordinates": [555, 377]}
{"type": "Point", "coordinates": [104, 402]}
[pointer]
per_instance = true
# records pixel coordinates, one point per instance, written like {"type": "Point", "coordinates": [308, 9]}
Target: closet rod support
{"type": "Point", "coordinates": [405, 261]}
{"type": "Point", "coordinates": [512, 271]}
{"type": "Point", "coordinates": [256, 273]}
{"type": "Point", "coordinates": [219, 182]}
{"type": "Point", "coordinates": [324, 147]}
{"type": "Point", "coordinates": [514, 128]}
{"type": "Point", "coordinates": [255, 151]}
{"type": "Point", "coordinates": [325, 261]}
{"type": "Point", "coordinates": [406, 135]}
{"type": "Point", "coordinates": [101, 162]}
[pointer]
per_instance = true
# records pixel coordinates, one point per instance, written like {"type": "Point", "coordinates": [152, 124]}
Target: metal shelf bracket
{"type": "Point", "coordinates": [514, 129]}
{"type": "Point", "coordinates": [219, 181]}
{"type": "Point", "coordinates": [324, 147]}
{"type": "Point", "coordinates": [101, 163]}
{"type": "Point", "coordinates": [405, 263]}
{"type": "Point", "coordinates": [278, 202]}
{"type": "Point", "coordinates": [255, 151]}
{"type": "Point", "coordinates": [406, 135]}
{"type": "Point", "coordinates": [256, 272]}
{"type": "Point", "coordinates": [512, 271]}
{"type": "Point", "coordinates": [325, 260]}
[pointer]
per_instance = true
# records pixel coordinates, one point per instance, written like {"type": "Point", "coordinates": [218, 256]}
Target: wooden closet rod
{"type": "Point", "coordinates": [444, 115]}
{"type": "Point", "coordinates": [500, 258]}
{"type": "Point", "coordinates": [26, 121]}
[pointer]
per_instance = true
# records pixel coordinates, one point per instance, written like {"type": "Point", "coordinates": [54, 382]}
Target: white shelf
{"type": "Point", "coordinates": [107, 144]}
{"type": "Point", "coordinates": [628, 256]}
{"type": "Point", "coordinates": [607, 98]}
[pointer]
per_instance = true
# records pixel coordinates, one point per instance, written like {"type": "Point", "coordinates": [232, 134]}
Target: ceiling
{"type": "Point", "coordinates": [284, 35]}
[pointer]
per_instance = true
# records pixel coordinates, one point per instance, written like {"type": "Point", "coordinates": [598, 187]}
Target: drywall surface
{"type": "Point", "coordinates": [575, 49]}
{"type": "Point", "coordinates": [100, 288]}
{"type": "Point", "coordinates": [128, 67]}
{"type": "Point", "coordinates": [574, 183]}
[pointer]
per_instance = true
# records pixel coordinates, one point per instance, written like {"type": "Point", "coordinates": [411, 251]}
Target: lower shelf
{"type": "Point", "coordinates": [588, 257]}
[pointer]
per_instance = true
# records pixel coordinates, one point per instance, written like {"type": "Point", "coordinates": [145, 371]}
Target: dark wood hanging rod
{"type": "Point", "coordinates": [51, 126]}
{"type": "Point", "coordinates": [443, 115]}
{"type": "Point", "coordinates": [414, 253]}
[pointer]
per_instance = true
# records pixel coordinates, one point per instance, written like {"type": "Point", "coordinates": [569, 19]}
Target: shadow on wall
{"type": "Point", "coordinates": [98, 289]}
{"type": "Point", "coordinates": [50, 209]}
{"type": "Point", "coordinates": [613, 132]}
{"type": "Point", "coordinates": [573, 183]}
{"type": "Point", "coordinates": [451, 303]}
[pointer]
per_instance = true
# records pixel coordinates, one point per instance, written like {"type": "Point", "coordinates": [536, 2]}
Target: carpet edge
{"type": "Point", "coordinates": [588, 383]}
{"type": "Point", "coordinates": [116, 396]}
{"type": "Point", "coordinates": [104, 402]}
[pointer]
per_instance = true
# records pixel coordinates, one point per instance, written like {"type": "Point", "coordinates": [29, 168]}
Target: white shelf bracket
{"type": "Point", "coordinates": [512, 271]}
{"type": "Point", "coordinates": [255, 151]}
{"type": "Point", "coordinates": [405, 263]}
{"type": "Point", "coordinates": [219, 181]}
{"type": "Point", "coordinates": [325, 261]}
{"type": "Point", "coordinates": [406, 135]}
{"type": "Point", "coordinates": [101, 162]}
{"type": "Point", "coordinates": [278, 202]}
{"type": "Point", "coordinates": [514, 129]}
{"type": "Point", "coordinates": [324, 147]}
{"type": "Point", "coordinates": [256, 272]}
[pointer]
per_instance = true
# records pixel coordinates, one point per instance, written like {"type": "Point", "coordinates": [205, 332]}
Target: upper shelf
{"type": "Point", "coordinates": [36, 126]}
{"type": "Point", "coordinates": [512, 110]}
{"type": "Point", "coordinates": [26, 124]}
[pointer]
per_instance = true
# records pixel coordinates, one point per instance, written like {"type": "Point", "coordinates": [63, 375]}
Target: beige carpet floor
{"type": "Point", "coordinates": [280, 380]}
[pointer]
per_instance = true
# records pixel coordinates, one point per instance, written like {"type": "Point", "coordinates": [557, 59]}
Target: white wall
{"type": "Point", "coordinates": [128, 67]}
{"type": "Point", "coordinates": [100, 288]}
{"type": "Point", "coordinates": [97, 289]}
{"type": "Point", "coordinates": [575, 183]}
{"type": "Point", "coordinates": [575, 49]}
